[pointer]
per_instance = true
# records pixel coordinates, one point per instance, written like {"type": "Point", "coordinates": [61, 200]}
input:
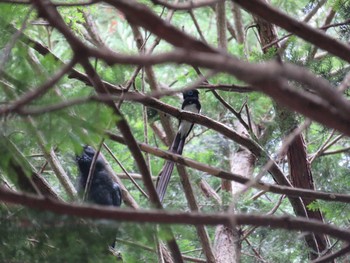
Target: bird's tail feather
{"type": "Point", "coordinates": [180, 146]}
{"type": "Point", "coordinates": [176, 142]}
{"type": "Point", "coordinates": [165, 174]}
{"type": "Point", "coordinates": [164, 179]}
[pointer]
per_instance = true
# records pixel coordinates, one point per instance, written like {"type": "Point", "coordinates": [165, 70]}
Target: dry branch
{"type": "Point", "coordinates": [301, 29]}
{"type": "Point", "coordinates": [162, 217]}
{"type": "Point", "coordinates": [289, 191]}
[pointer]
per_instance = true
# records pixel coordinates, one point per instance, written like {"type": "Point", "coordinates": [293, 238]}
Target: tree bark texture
{"type": "Point", "coordinates": [300, 171]}
{"type": "Point", "coordinates": [227, 245]}
{"type": "Point", "coordinates": [227, 240]}
{"type": "Point", "coordinates": [301, 177]}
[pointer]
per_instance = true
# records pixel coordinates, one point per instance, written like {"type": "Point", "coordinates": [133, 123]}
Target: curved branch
{"type": "Point", "coordinates": [162, 217]}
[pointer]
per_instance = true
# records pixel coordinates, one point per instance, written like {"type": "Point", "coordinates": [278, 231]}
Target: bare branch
{"type": "Point", "coordinates": [330, 257]}
{"type": "Point", "coordinates": [63, 4]}
{"type": "Point", "coordinates": [301, 29]}
{"type": "Point", "coordinates": [125, 171]}
{"type": "Point", "coordinates": [158, 216]}
{"type": "Point", "coordinates": [187, 5]}
{"type": "Point", "coordinates": [201, 230]}
{"type": "Point", "coordinates": [286, 190]}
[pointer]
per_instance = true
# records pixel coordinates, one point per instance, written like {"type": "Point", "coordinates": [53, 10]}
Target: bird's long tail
{"type": "Point", "coordinates": [165, 174]}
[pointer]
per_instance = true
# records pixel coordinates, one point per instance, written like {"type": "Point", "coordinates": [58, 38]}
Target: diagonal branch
{"type": "Point", "coordinates": [286, 190]}
{"type": "Point", "coordinates": [301, 29]}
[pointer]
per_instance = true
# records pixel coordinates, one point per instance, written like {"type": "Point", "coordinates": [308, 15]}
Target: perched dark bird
{"type": "Point", "coordinates": [103, 190]}
{"type": "Point", "coordinates": [191, 103]}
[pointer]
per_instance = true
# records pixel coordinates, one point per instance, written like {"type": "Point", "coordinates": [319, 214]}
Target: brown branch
{"type": "Point", "coordinates": [265, 77]}
{"type": "Point", "coordinates": [321, 148]}
{"type": "Point", "coordinates": [252, 146]}
{"type": "Point", "coordinates": [313, 12]}
{"type": "Point", "coordinates": [237, 15]}
{"type": "Point", "coordinates": [209, 192]}
{"type": "Point", "coordinates": [52, 159]}
{"type": "Point", "coordinates": [125, 171]}
{"type": "Point", "coordinates": [301, 29]}
{"type": "Point", "coordinates": [63, 4]}
{"type": "Point", "coordinates": [221, 23]}
{"type": "Point", "coordinates": [336, 151]}
{"type": "Point", "coordinates": [162, 217]}
{"type": "Point", "coordinates": [187, 5]}
{"type": "Point", "coordinates": [289, 191]}
{"type": "Point", "coordinates": [141, 15]}
{"type": "Point", "coordinates": [152, 80]}
{"type": "Point", "coordinates": [318, 109]}
{"type": "Point", "coordinates": [228, 87]}
{"type": "Point", "coordinates": [92, 170]}
{"type": "Point", "coordinates": [264, 73]}
{"type": "Point", "coordinates": [201, 230]}
{"type": "Point", "coordinates": [232, 110]}
{"type": "Point", "coordinates": [258, 256]}
{"type": "Point", "coordinates": [19, 165]}
{"type": "Point", "coordinates": [91, 28]}
{"type": "Point", "coordinates": [331, 257]}
{"type": "Point", "coordinates": [271, 212]}
{"type": "Point", "coordinates": [328, 20]}
{"type": "Point", "coordinates": [196, 24]}
{"type": "Point", "coordinates": [326, 26]}
{"type": "Point", "coordinates": [99, 98]}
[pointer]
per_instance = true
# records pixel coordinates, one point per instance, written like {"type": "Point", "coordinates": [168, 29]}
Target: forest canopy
{"type": "Point", "coordinates": [261, 176]}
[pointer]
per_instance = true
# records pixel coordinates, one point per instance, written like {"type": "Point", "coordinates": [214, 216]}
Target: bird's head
{"type": "Point", "coordinates": [85, 159]}
{"type": "Point", "coordinates": [193, 93]}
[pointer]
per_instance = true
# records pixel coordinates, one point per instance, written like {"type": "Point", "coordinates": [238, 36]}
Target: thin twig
{"type": "Point", "coordinates": [91, 171]}
{"type": "Point", "coordinates": [331, 257]}
{"type": "Point", "coordinates": [125, 171]}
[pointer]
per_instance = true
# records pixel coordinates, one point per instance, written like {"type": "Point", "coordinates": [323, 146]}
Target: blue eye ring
{"type": "Point", "coordinates": [190, 92]}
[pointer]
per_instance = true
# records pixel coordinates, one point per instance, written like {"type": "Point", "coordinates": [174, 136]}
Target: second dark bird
{"type": "Point", "coordinates": [103, 190]}
{"type": "Point", "coordinates": [191, 103]}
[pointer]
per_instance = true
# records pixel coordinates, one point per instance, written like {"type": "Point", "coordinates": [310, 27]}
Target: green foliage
{"type": "Point", "coordinates": [43, 237]}
{"type": "Point", "coordinates": [32, 236]}
{"type": "Point", "coordinates": [257, 56]}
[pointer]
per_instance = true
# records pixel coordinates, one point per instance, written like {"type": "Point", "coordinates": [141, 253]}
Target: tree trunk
{"type": "Point", "coordinates": [227, 245]}
{"type": "Point", "coordinates": [301, 177]}
{"type": "Point", "coordinates": [227, 240]}
{"type": "Point", "coordinates": [300, 171]}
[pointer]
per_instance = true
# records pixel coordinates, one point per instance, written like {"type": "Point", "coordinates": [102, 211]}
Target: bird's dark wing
{"type": "Point", "coordinates": [101, 189]}
{"type": "Point", "coordinates": [116, 195]}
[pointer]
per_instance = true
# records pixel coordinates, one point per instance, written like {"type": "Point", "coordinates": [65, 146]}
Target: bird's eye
{"type": "Point", "coordinates": [190, 92]}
